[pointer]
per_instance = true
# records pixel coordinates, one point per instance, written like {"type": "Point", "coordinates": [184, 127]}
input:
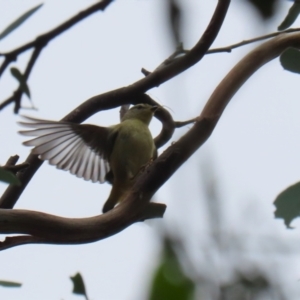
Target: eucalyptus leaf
{"type": "Point", "coordinates": [169, 281]}
{"type": "Point", "coordinates": [266, 8]}
{"type": "Point", "coordinates": [8, 177]}
{"type": "Point", "coordinates": [288, 204]}
{"type": "Point", "coordinates": [15, 24]}
{"type": "Point", "coordinates": [10, 283]}
{"type": "Point", "coordinates": [22, 80]}
{"type": "Point", "coordinates": [78, 285]}
{"type": "Point", "coordinates": [290, 60]}
{"type": "Point", "coordinates": [290, 17]}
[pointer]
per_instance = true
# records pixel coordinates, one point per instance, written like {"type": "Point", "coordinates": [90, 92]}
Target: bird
{"type": "Point", "coordinates": [116, 154]}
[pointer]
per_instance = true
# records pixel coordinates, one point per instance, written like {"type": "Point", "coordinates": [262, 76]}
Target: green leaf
{"type": "Point", "coordinates": [8, 177]}
{"type": "Point", "coordinates": [78, 285]}
{"type": "Point", "coordinates": [9, 283]}
{"type": "Point", "coordinates": [291, 17]}
{"type": "Point", "coordinates": [288, 204]}
{"type": "Point", "coordinates": [169, 281]}
{"type": "Point", "coordinates": [22, 80]}
{"type": "Point", "coordinates": [290, 60]}
{"type": "Point", "coordinates": [19, 21]}
{"type": "Point", "coordinates": [265, 7]}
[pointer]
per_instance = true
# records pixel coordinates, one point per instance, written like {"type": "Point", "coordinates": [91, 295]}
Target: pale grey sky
{"type": "Point", "coordinates": [254, 149]}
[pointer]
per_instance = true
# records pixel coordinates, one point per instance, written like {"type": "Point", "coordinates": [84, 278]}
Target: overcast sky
{"type": "Point", "coordinates": [253, 153]}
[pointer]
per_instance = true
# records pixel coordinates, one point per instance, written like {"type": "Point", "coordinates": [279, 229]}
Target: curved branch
{"type": "Point", "coordinates": [167, 163]}
{"type": "Point", "coordinates": [53, 229]}
{"type": "Point", "coordinates": [58, 230]}
{"type": "Point", "coordinates": [131, 94]}
{"type": "Point", "coordinates": [136, 207]}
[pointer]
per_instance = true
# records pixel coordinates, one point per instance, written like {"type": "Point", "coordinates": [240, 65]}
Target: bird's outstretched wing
{"type": "Point", "coordinates": [81, 149]}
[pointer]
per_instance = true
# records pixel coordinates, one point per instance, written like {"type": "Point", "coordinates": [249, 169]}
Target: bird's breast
{"type": "Point", "coordinates": [133, 148]}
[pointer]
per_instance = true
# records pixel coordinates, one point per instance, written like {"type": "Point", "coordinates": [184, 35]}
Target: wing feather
{"type": "Point", "coordinates": [83, 150]}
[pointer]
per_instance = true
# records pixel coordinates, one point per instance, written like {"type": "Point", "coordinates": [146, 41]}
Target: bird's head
{"type": "Point", "coordinates": [142, 111]}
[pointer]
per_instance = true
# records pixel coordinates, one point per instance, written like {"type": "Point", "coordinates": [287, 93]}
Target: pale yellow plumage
{"type": "Point", "coordinates": [115, 154]}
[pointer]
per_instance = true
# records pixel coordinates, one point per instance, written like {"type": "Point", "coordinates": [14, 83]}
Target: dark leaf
{"type": "Point", "coordinates": [246, 286]}
{"type": "Point", "coordinates": [78, 285]}
{"type": "Point", "coordinates": [291, 17]}
{"type": "Point", "coordinates": [290, 60]}
{"type": "Point", "coordinates": [19, 21]}
{"type": "Point", "coordinates": [22, 81]}
{"type": "Point", "coordinates": [169, 281]}
{"type": "Point", "coordinates": [288, 204]}
{"type": "Point", "coordinates": [265, 7]}
{"type": "Point", "coordinates": [10, 283]}
{"type": "Point", "coordinates": [17, 74]}
{"type": "Point", "coordinates": [175, 20]}
{"type": "Point", "coordinates": [8, 177]}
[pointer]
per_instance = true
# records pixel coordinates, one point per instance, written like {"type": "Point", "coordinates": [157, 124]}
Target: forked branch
{"type": "Point", "coordinates": [136, 207]}
{"type": "Point", "coordinates": [95, 228]}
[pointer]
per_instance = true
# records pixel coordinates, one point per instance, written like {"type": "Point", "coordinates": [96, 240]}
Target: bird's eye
{"type": "Point", "coordinates": [139, 107]}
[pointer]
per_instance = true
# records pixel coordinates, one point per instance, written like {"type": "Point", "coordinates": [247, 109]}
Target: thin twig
{"type": "Point", "coordinates": [12, 161]}
{"type": "Point", "coordinates": [39, 43]}
{"type": "Point", "coordinates": [246, 42]}
{"type": "Point", "coordinates": [8, 100]}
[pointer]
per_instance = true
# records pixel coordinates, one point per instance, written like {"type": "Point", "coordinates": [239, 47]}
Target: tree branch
{"type": "Point", "coordinates": [38, 44]}
{"type": "Point", "coordinates": [13, 241]}
{"type": "Point", "coordinates": [58, 230]}
{"type": "Point", "coordinates": [179, 124]}
{"type": "Point", "coordinates": [129, 95]}
{"type": "Point", "coordinates": [11, 165]}
{"type": "Point", "coordinates": [167, 163]}
{"type": "Point", "coordinates": [136, 206]}
{"type": "Point", "coordinates": [149, 182]}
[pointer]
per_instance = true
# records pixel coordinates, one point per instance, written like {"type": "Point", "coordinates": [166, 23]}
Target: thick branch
{"type": "Point", "coordinates": [131, 94]}
{"type": "Point", "coordinates": [167, 163]}
{"type": "Point", "coordinates": [54, 229]}
{"type": "Point", "coordinates": [58, 230]}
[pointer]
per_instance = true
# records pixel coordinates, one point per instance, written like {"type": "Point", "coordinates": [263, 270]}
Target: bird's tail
{"type": "Point", "coordinates": [117, 194]}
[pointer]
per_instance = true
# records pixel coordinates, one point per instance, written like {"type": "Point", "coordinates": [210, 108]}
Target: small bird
{"type": "Point", "coordinates": [116, 154]}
